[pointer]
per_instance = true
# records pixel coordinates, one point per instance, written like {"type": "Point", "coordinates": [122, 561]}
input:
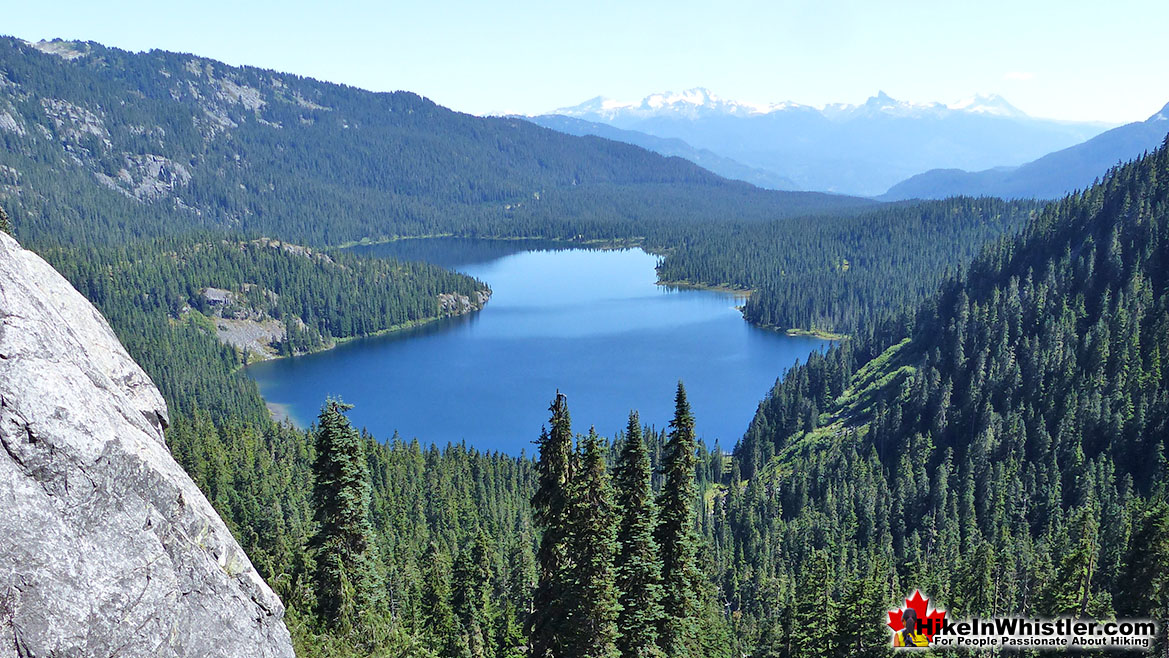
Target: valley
{"type": "Point", "coordinates": [593, 324]}
{"type": "Point", "coordinates": [334, 370]}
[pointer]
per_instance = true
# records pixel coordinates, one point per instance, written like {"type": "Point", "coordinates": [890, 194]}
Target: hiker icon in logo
{"type": "Point", "coordinates": [915, 625]}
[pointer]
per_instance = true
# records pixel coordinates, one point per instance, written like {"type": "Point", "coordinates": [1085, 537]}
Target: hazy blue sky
{"type": "Point", "coordinates": [1065, 59]}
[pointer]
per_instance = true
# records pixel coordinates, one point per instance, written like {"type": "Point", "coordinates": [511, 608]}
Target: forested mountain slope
{"type": "Point", "coordinates": [101, 143]}
{"type": "Point", "coordinates": [1050, 177]}
{"type": "Point", "coordinates": [170, 301]}
{"type": "Point", "coordinates": [1003, 448]}
{"type": "Point", "coordinates": [844, 273]}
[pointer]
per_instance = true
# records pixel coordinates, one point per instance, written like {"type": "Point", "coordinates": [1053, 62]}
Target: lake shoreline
{"type": "Point", "coordinates": [743, 293]}
{"type": "Point", "coordinates": [723, 288]}
{"type": "Point", "coordinates": [403, 326]}
{"type": "Point", "coordinates": [602, 244]}
{"type": "Point", "coordinates": [591, 322]}
{"type": "Point", "coordinates": [809, 333]}
{"type": "Point", "coordinates": [740, 293]}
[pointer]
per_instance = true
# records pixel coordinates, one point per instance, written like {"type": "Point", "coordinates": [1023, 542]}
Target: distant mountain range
{"type": "Point", "coordinates": [1049, 177]}
{"type": "Point", "coordinates": [100, 144]}
{"type": "Point", "coordinates": [699, 102]}
{"type": "Point", "coordinates": [705, 158]}
{"type": "Point", "coordinates": [855, 149]}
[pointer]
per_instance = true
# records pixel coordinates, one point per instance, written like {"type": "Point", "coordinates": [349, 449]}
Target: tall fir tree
{"type": "Point", "coordinates": [509, 640]}
{"type": "Point", "coordinates": [592, 546]}
{"type": "Point", "coordinates": [1145, 578]}
{"type": "Point", "coordinates": [676, 536]}
{"type": "Point", "coordinates": [347, 580]}
{"type": "Point", "coordinates": [859, 630]}
{"type": "Point", "coordinates": [5, 223]}
{"type": "Point", "coordinates": [437, 616]}
{"type": "Point", "coordinates": [814, 611]}
{"type": "Point", "coordinates": [550, 509]}
{"type": "Point", "coordinates": [1072, 590]}
{"type": "Point", "coordinates": [472, 580]}
{"type": "Point", "coordinates": [638, 566]}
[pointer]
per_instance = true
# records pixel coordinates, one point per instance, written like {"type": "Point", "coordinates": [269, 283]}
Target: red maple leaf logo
{"type": "Point", "coordinates": [931, 621]}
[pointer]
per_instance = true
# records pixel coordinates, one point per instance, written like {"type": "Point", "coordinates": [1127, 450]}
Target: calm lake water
{"type": "Point", "coordinates": [592, 324]}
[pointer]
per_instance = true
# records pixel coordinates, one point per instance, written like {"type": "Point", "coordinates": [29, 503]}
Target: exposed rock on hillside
{"type": "Point", "coordinates": [456, 304]}
{"type": "Point", "coordinates": [106, 546]}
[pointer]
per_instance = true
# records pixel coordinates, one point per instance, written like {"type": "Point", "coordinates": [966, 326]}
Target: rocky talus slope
{"type": "Point", "coordinates": [106, 546]}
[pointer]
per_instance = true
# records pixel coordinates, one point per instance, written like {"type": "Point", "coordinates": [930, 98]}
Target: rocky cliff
{"type": "Point", "coordinates": [106, 546]}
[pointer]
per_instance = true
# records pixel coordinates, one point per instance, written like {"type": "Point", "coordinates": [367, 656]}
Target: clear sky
{"type": "Point", "coordinates": [1065, 59]}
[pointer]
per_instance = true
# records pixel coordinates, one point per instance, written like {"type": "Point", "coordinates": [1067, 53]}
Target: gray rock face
{"type": "Point", "coordinates": [106, 546]}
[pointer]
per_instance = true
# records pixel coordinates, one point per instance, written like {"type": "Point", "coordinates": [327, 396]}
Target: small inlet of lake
{"type": "Point", "coordinates": [593, 324]}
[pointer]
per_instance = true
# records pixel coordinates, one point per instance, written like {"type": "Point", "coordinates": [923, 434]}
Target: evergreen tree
{"type": "Point", "coordinates": [859, 628]}
{"type": "Point", "coordinates": [437, 616]}
{"type": "Point", "coordinates": [1072, 591]}
{"type": "Point", "coordinates": [550, 508]}
{"type": "Point", "coordinates": [713, 637]}
{"type": "Point", "coordinates": [470, 594]}
{"type": "Point", "coordinates": [637, 564]}
{"type": "Point", "coordinates": [812, 635]}
{"type": "Point", "coordinates": [973, 591]}
{"type": "Point", "coordinates": [772, 643]}
{"type": "Point", "coordinates": [348, 585]}
{"type": "Point", "coordinates": [5, 223]}
{"type": "Point", "coordinates": [676, 537]}
{"type": "Point", "coordinates": [1144, 583]}
{"type": "Point", "coordinates": [592, 544]}
{"type": "Point", "coordinates": [509, 634]}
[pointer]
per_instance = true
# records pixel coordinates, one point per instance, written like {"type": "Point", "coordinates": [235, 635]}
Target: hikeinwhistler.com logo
{"type": "Point", "coordinates": [920, 624]}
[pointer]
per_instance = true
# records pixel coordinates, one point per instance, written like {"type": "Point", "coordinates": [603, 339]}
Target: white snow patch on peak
{"type": "Point", "coordinates": [991, 104]}
{"type": "Point", "coordinates": [610, 104]}
{"type": "Point", "coordinates": [698, 97]}
{"type": "Point", "coordinates": [690, 102]}
{"type": "Point", "coordinates": [699, 101]}
{"type": "Point", "coordinates": [881, 104]}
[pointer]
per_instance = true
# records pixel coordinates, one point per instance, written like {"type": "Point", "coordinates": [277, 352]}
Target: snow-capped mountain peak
{"type": "Point", "coordinates": [698, 96]}
{"type": "Point", "coordinates": [881, 105]}
{"type": "Point", "coordinates": [1163, 115]}
{"type": "Point", "coordinates": [698, 101]}
{"type": "Point", "coordinates": [991, 104]}
{"type": "Point", "coordinates": [886, 104]}
{"type": "Point", "coordinates": [596, 105]}
{"type": "Point", "coordinates": [690, 102]}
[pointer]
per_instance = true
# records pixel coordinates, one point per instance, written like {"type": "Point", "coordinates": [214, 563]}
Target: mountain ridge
{"type": "Point", "coordinates": [858, 149]}
{"type": "Point", "coordinates": [701, 99]}
{"type": "Point", "coordinates": [178, 142]}
{"type": "Point", "coordinates": [1048, 177]}
{"type": "Point", "coordinates": [670, 147]}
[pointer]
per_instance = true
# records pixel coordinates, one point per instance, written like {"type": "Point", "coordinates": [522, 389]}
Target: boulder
{"type": "Point", "coordinates": [107, 547]}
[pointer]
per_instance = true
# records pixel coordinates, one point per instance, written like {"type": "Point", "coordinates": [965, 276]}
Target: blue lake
{"type": "Point", "coordinates": [593, 324]}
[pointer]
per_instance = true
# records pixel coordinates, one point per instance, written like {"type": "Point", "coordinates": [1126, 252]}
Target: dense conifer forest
{"type": "Point", "coordinates": [154, 294]}
{"type": "Point", "coordinates": [1002, 447]}
{"type": "Point", "coordinates": [840, 273]}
